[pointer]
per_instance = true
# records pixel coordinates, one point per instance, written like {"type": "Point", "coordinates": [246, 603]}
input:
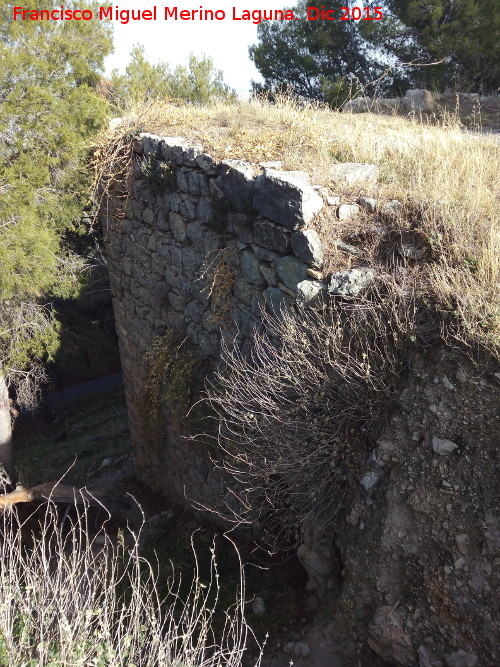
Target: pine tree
{"type": "Point", "coordinates": [463, 34]}
{"type": "Point", "coordinates": [199, 83]}
{"type": "Point", "coordinates": [48, 112]}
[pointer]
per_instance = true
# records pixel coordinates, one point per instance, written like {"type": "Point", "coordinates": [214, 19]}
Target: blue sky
{"type": "Point", "coordinates": [172, 41]}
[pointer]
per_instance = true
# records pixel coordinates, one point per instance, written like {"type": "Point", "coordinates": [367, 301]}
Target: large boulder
{"type": "Point", "coordinates": [358, 105]}
{"type": "Point", "coordinates": [352, 282]}
{"type": "Point", "coordinates": [418, 100]}
{"type": "Point", "coordinates": [388, 637]}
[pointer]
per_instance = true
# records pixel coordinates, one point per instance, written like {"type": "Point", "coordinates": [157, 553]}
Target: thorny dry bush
{"type": "Point", "coordinates": [295, 414]}
{"type": "Point", "coordinates": [72, 597]}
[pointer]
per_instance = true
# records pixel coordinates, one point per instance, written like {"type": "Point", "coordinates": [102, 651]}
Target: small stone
{"type": "Point", "coordinates": [392, 208]}
{"type": "Point", "coordinates": [368, 480]}
{"type": "Point", "coordinates": [302, 649]}
{"type": "Point", "coordinates": [317, 275]}
{"type": "Point", "coordinates": [461, 659]}
{"type": "Point", "coordinates": [345, 247]}
{"type": "Point", "coordinates": [105, 463]}
{"type": "Point", "coordinates": [351, 283]}
{"type": "Point", "coordinates": [276, 164]}
{"type": "Point", "coordinates": [368, 203]}
{"type": "Point", "coordinates": [289, 648]}
{"type": "Point", "coordinates": [258, 606]}
{"type": "Point", "coordinates": [115, 123]}
{"type": "Point", "coordinates": [357, 105]}
{"type": "Point", "coordinates": [448, 384]}
{"type": "Point", "coordinates": [348, 211]}
{"type": "Point", "coordinates": [443, 447]}
{"type": "Point", "coordinates": [310, 292]}
{"type": "Point", "coordinates": [462, 543]}
{"type": "Point", "coordinates": [327, 198]}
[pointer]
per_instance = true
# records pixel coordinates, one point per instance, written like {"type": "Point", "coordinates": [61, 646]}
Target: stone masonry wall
{"type": "Point", "coordinates": [185, 215]}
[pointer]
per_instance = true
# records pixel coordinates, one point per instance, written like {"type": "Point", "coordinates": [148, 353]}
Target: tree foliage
{"type": "Point", "coordinates": [463, 34]}
{"type": "Point", "coordinates": [304, 56]}
{"type": "Point", "coordinates": [48, 112]}
{"type": "Point", "coordinates": [434, 44]}
{"type": "Point", "coordinates": [198, 83]}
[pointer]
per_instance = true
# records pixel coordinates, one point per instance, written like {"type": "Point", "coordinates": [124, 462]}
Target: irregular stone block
{"type": "Point", "coordinates": [286, 198]}
{"type": "Point", "coordinates": [211, 241]}
{"type": "Point", "coordinates": [263, 253]}
{"type": "Point", "coordinates": [290, 271]}
{"type": "Point", "coordinates": [182, 180]}
{"type": "Point", "coordinates": [250, 267]}
{"type": "Point", "coordinates": [178, 227]}
{"type": "Point", "coordinates": [307, 246]}
{"type": "Point", "coordinates": [198, 184]}
{"type": "Point", "coordinates": [204, 210]}
{"type": "Point", "coordinates": [195, 233]}
{"type": "Point", "coordinates": [271, 236]}
{"type": "Point", "coordinates": [150, 143]}
{"type": "Point", "coordinates": [351, 282]}
{"type": "Point", "coordinates": [172, 149]}
{"type": "Point", "coordinates": [193, 312]}
{"type": "Point", "coordinates": [237, 183]}
{"type": "Point", "coordinates": [207, 164]}
{"type": "Point", "coordinates": [269, 274]}
{"type": "Point", "coordinates": [392, 208]}
{"type": "Point", "coordinates": [354, 173]}
{"type": "Point", "coordinates": [240, 225]}
{"type": "Point", "coordinates": [191, 260]}
{"type": "Point", "coordinates": [178, 301]}
{"type": "Point", "coordinates": [187, 208]}
{"type": "Point", "coordinates": [245, 292]}
{"type": "Point", "coordinates": [148, 215]}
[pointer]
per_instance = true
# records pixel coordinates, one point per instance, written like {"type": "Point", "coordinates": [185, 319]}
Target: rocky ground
{"type": "Point", "coordinates": [408, 573]}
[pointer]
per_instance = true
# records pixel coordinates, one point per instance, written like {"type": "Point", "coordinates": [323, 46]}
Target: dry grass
{"type": "Point", "coordinates": [446, 179]}
{"type": "Point", "coordinates": [72, 597]}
